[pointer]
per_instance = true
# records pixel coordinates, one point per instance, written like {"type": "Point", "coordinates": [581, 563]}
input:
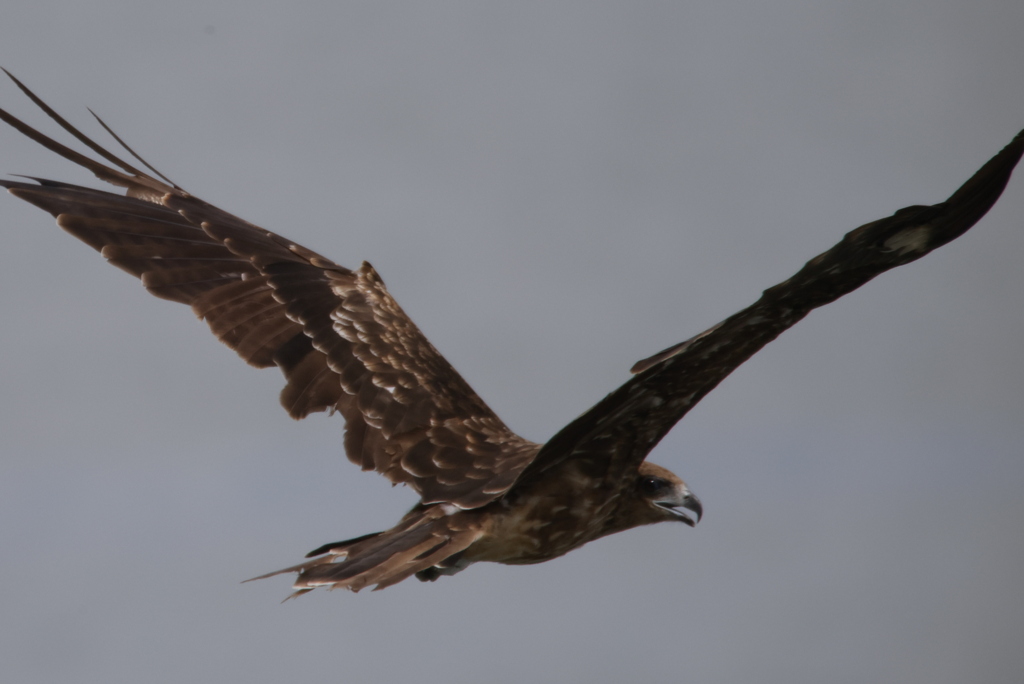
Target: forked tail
{"type": "Point", "coordinates": [424, 538]}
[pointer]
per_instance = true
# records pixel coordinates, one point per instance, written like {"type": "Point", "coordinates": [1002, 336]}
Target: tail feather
{"type": "Point", "coordinates": [419, 542]}
{"type": "Point", "coordinates": [338, 547]}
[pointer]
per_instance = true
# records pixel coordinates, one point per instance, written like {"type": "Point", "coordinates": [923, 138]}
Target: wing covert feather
{"type": "Point", "coordinates": [340, 339]}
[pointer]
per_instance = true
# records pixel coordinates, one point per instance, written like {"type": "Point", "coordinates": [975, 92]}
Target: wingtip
{"type": "Point", "coordinates": [1014, 148]}
{"type": "Point", "coordinates": [17, 82]}
{"type": "Point", "coordinates": [12, 77]}
{"type": "Point", "coordinates": [1018, 140]}
{"type": "Point", "coordinates": [981, 190]}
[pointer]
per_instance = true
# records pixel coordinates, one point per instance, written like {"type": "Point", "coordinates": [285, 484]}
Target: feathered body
{"type": "Point", "coordinates": [344, 345]}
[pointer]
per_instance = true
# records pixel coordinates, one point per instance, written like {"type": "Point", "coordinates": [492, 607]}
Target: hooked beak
{"type": "Point", "coordinates": [689, 501]}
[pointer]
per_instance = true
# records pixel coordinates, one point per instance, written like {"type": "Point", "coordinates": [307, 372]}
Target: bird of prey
{"type": "Point", "coordinates": [344, 345]}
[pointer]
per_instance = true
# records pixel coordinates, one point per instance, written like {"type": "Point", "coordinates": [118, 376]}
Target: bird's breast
{"type": "Point", "coordinates": [543, 522]}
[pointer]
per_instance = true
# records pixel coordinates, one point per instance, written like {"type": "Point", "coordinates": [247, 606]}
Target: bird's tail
{"type": "Point", "coordinates": [423, 539]}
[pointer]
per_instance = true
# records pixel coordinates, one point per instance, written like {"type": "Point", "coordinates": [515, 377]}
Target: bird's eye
{"type": "Point", "coordinates": [652, 485]}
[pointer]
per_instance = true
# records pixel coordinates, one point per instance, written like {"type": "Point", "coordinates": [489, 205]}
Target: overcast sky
{"type": "Point", "coordinates": [552, 190]}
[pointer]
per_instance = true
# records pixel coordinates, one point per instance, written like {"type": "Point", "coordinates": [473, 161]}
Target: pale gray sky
{"type": "Point", "coordinates": [552, 191]}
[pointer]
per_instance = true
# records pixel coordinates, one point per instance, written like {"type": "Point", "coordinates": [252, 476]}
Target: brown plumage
{"type": "Point", "coordinates": [345, 345]}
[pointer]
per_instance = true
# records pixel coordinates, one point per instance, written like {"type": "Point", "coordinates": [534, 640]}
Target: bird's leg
{"type": "Point", "coordinates": [449, 566]}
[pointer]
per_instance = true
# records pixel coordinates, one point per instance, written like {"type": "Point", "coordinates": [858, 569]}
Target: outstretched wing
{"type": "Point", "coordinates": [340, 339]}
{"type": "Point", "coordinates": [619, 432]}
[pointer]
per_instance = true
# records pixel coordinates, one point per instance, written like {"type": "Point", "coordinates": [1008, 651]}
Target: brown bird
{"type": "Point", "coordinates": [344, 345]}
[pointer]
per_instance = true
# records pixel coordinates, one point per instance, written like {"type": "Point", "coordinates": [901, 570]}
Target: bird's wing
{"type": "Point", "coordinates": [619, 432]}
{"type": "Point", "coordinates": [340, 339]}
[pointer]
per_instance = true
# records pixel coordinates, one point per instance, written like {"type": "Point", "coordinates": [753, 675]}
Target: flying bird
{"type": "Point", "coordinates": [345, 346]}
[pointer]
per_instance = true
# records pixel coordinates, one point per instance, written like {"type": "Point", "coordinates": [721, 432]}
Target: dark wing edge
{"type": "Point", "coordinates": [630, 421]}
{"type": "Point", "coordinates": [340, 339]}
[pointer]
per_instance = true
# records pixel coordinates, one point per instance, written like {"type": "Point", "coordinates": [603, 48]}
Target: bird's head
{"type": "Point", "coordinates": [660, 495]}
